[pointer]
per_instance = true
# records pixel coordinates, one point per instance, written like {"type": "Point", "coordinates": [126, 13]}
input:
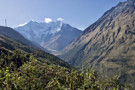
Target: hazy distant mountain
{"type": "Point", "coordinates": [108, 45]}
{"type": "Point", "coordinates": [53, 36]}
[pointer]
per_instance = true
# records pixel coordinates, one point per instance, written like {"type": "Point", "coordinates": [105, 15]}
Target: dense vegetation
{"type": "Point", "coordinates": [26, 68]}
{"type": "Point", "coordinates": [20, 71]}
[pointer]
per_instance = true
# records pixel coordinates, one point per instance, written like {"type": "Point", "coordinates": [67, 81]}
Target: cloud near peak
{"type": "Point", "coordinates": [60, 19]}
{"type": "Point", "coordinates": [48, 20]}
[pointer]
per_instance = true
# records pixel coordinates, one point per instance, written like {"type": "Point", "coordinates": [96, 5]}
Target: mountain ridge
{"type": "Point", "coordinates": [108, 45]}
{"type": "Point", "coordinates": [9, 32]}
{"type": "Point", "coordinates": [10, 41]}
{"type": "Point", "coordinates": [53, 36]}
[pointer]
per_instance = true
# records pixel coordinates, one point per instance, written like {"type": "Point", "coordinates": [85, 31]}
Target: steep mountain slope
{"type": "Point", "coordinates": [53, 36]}
{"type": "Point", "coordinates": [10, 41]}
{"type": "Point", "coordinates": [10, 33]}
{"type": "Point", "coordinates": [108, 45]}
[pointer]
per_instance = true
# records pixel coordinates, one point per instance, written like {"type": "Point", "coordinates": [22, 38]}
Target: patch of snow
{"type": "Point", "coordinates": [23, 24]}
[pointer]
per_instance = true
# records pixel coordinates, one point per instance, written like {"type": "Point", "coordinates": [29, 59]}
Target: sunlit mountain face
{"type": "Point", "coordinates": [108, 45]}
{"type": "Point", "coordinates": [53, 36]}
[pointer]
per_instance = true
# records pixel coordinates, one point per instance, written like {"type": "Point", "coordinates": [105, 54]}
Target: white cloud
{"type": "Point", "coordinates": [60, 19]}
{"type": "Point", "coordinates": [48, 20]}
{"type": "Point", "coordinates": [23, 24]}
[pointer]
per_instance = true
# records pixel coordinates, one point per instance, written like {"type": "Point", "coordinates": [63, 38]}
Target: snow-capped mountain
{"type": "Point", "coordinates": [53, 36]}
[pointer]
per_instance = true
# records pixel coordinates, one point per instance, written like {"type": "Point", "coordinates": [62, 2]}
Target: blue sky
{"type": "Point", "coordinates": [78, 13]}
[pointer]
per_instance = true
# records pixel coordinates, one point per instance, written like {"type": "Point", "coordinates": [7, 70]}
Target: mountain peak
{"type": "Point", "coordinates": [52, 36]}
{"type": "Point", "coordinates": [33, 21]}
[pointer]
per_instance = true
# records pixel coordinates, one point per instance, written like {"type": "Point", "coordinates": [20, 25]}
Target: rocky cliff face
{"type": "Point", "coordinates": [108, 45]}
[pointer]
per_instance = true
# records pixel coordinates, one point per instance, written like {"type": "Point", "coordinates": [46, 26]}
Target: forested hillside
{"type": "Point", "coordinates": [11, 44]}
